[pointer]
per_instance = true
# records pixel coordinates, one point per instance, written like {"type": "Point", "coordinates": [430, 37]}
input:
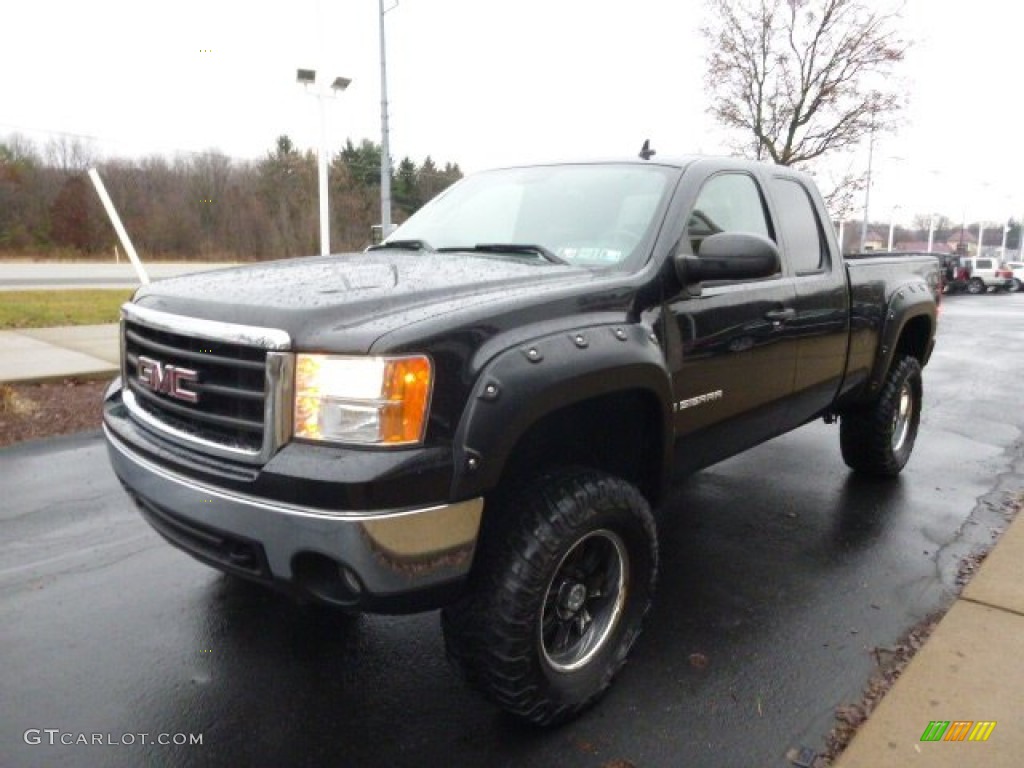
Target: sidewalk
{"type": "Point", "coordinates": [970, 669]}
{"type": "Point", "coordinates": [45, 354]}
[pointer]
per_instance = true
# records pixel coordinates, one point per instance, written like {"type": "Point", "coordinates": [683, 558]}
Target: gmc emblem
{"type": "Point", "coordinates": [168, 379]}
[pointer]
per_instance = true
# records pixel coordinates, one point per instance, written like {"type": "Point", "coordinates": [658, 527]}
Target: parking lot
{"type": "Point", "coordinates": [781, 575]}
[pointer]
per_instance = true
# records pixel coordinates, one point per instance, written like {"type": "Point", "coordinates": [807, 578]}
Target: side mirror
{"type": "Point", "coordinates": [730, 256]}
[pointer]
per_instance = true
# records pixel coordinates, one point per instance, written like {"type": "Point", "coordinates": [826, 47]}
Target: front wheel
{"type": "Point", "coordinates": [562, 586]}
{"type": "Point", "coordinates": [1016, 285]}
{"type": "Point", "coordinates": [975, 286]}
{"type": "Point", "coordinates": [878, 438]}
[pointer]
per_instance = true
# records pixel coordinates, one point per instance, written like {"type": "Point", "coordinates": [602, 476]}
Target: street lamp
{"type": "Point", "coordinates": [307, 77]}
{"type": "Point", "coordinates": [385, 151]}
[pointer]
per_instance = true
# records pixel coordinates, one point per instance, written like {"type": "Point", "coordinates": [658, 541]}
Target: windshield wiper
{"type": "Point", "coordinates": [514, 248]}
{"type": "Point", "coordinates": [404, 245]}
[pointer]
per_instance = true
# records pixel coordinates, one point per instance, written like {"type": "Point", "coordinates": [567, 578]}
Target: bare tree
{"type": "Point", "coordinates": [801, 78]}
{"type": "Point", "coordinates": [70, 154]}
{"type": "Point", "coordinates": [938, 222]}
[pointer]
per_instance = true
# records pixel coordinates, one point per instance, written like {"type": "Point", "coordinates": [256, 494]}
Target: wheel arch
{"type": "Point", "coordinates": [909, 329]}
{"type": "Point", "coordinates": [603, 402]}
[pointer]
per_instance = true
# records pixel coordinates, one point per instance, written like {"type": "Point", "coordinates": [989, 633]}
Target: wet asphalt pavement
{"type": "Point", "coordinates": [780, 573]}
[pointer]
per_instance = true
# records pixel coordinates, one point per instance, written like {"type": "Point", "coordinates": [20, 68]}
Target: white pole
{"type": "Point", "coordinates": [118, 226]}
{"type": "Point", "coordinates": [867, 187]}
{"type": "Point", "coordinates": [841, 225]}
{"type": "Point", "coordinates": [931, 232]}
{"type": "Point", "coordinates": [325, 221]}
{"type": "Point", "coordinates": [981, 238]}
{"type": "Point", "coordinates": [385, 152]}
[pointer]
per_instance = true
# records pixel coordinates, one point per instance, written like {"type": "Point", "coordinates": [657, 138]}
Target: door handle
{"type": "Point", "coordinates": [780, 315]}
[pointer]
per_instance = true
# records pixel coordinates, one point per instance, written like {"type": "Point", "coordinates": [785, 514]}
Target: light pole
{"type": "Point", "coordinates": [308, 77]}
{"type": "Point", "coordinates": [867, 187]}
{"type": "Point", "coordinates": [385, 152]}
{"type": "Point", "coordinates": [931, 216]}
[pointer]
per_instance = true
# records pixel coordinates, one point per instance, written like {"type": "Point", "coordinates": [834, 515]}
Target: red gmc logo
{"type": "Point", "coordinates": [168, 379]}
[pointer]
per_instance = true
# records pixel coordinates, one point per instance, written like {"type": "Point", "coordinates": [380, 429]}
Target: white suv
{"type": "Point", "coordinates": [985, 273]}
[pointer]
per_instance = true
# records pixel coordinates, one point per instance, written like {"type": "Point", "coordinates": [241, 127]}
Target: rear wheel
{"type": "Point", "coordinates": [878, 438]}
{"type": "Point", "coordinates": [1016, 285]}
{"type": "Point", "coordinates": [975, 286]}
{"type": "Point", "coordinates": [562, 587]}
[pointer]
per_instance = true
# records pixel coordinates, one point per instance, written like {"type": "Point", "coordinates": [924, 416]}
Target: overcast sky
{"type": "Point", "coordinates": [486, 83]}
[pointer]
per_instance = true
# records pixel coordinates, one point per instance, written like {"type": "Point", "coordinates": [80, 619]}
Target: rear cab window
{"type": "Point", "coordinates": [803, 237]}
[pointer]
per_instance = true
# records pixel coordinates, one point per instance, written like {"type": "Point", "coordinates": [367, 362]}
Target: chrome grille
{"type": "Point", "coordinates": [242, 382]}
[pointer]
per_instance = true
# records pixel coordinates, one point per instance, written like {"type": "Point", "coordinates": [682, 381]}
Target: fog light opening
{"type": "Point", "coordinates": [326, 579]}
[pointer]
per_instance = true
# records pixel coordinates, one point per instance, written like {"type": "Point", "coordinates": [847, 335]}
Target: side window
{"type": "Point", "coordinates": [800, 229]}
{"type": "Point", "coordinates": [728, 202]}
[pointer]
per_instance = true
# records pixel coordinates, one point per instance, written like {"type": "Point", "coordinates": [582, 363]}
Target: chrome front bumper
{"type": "Point", "coordinates": [357, 559]}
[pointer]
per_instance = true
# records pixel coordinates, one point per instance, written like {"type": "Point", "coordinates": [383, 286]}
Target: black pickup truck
{"type": "Point", "coordinates": [479, 413]}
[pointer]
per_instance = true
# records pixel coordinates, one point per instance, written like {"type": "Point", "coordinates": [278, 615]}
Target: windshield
{"type": "Point", "coordinates": [586, 215]}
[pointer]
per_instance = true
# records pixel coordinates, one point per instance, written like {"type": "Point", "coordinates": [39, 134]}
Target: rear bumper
{"type": "Point", "coordinates": [388, 560]}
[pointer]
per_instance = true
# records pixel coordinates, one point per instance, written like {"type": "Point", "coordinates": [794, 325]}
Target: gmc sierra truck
{"type": "Point", "coordinates": [479, 413]}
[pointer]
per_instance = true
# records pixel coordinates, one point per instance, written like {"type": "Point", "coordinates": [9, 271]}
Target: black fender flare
{"type": "Point", "coordinates": [906, 303]}
{"type": "Point", "coordinates": [533, 379]}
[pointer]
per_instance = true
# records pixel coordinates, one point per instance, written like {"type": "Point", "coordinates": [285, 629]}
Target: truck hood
{"type": "Point", "coordinates": [358, 297]}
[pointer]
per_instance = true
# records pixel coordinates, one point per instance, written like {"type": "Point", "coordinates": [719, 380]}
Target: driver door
{"type": "Point", "coordinates": [734, 365]}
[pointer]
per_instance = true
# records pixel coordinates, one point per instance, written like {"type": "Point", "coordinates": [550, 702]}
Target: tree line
{"type": "Point", "coordinates": [202, 205]}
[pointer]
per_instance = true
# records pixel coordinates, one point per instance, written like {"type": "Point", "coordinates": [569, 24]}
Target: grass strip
{"type": "Point", "coordinates": [46, 309]}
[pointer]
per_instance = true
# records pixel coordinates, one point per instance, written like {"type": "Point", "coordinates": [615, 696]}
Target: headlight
{"type": "Point", "coordinates": [366, 400]}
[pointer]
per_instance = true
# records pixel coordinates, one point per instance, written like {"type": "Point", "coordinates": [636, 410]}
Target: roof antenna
{"type": "Point", "coordinates": [646, 153]}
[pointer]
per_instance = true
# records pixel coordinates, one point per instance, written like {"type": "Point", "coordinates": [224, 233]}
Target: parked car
{"type": "Point", "coordinates": [1017, 268]}
{"type": "Point", "coordinates": [975, 275]}
{"type": "Point", "coordinates": [985, 273]}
